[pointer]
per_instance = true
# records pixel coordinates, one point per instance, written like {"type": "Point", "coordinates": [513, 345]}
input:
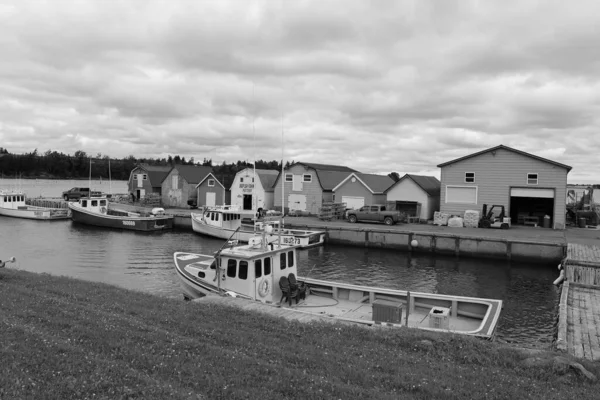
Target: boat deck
{"type": "Point", "coordinates": [579, 313]}
{"type": "Point", "coordinates": [321, 308]}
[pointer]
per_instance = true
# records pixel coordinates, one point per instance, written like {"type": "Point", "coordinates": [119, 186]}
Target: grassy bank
{"type": "Point", "coordinates": [65, 338]}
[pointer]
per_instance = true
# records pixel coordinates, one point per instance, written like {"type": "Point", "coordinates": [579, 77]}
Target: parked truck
{"type": "Point", "coordinates": [78, 192]}
{"type": "Point", "coordinates": [374, 213]}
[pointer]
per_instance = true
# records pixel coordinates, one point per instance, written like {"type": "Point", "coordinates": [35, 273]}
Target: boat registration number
{"type": "Point", "coordinates": [129, 223]}
{"type": "Point", "coordinates": [291, 240]}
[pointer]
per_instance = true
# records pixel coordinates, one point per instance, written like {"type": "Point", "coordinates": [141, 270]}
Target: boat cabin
{"type": "Point", "coordinates": [94, 204]}
{"type": "Point", "coordinates": [227, 217]}
{"type": "Point", "coordinates": [251, 271]}
{"type": "Point", "coordinates": [12, 200]}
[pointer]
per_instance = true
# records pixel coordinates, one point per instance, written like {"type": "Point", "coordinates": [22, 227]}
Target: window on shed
{"type": "Point", "coordinates": [532, 179]}
{"type": "Point", "coordinates": [290, 259]}
{"type": "Point", "coordinates": [469, 177]}
{"type": "Point", "coordinates": [241, 180]}
{"type": "Point", "coordinates": [307, 178]}
{"type": "Point", "coordinates": [145, 177]}
{"type": "Point", "coordinates": [243, 271]}
{"type": "Point", "coordinates": [289, 177]}
{"type": "Point", "coordinates": [211, 182]}
{"type": "Point", "coordinates": [257, 268]}
{"type": "Point", "coordinates": [231, 268]}
{"type": "Point", "coordinates": [282, 261]}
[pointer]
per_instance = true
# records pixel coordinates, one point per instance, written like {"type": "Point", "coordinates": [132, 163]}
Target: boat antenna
{"type": "Point", "coordinates": [282, 184]}
{"type": "Point", "coordinates": [90, 178]}
{"type": "Point", "coordinates": [109, 178]}
{"type": "Point", "coordinates": [254, 202]}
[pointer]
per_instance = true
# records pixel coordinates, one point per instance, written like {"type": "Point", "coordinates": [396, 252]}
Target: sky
{"type": "Point", "coordinates": [378, 86]}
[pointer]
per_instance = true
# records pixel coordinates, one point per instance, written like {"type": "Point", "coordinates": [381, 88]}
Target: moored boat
{"type": "Point", "coordinates": [12, 204]}
{"type": "Point", "coordinates": [224, 221]}
{"type": "Point", "coordinates": [257, 272]}
{"type": "Point", "coordinates": [95, 211]}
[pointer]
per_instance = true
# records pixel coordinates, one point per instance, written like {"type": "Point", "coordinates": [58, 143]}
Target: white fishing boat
{"type": "Point", "coordinates": [12, 204]}
{"type": "Point", "coordinates": [224, 221]}
{"type": "Point", "coordinates": [263, 272]}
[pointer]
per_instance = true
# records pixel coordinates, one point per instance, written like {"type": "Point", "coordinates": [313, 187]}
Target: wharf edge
{"type": "Point", "coordinates": [579, 309]}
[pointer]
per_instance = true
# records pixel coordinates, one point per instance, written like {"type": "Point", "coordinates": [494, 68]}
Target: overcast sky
{"type": "Point", "coordinates": [378, 86]}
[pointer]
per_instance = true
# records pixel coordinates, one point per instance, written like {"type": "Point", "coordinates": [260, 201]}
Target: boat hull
{"type": "Point", "coordinates": [39, 213]}
{"type": "Point", "coordinates": [142, 224]}
{"type": "Point", "coordinates": [293, 237]}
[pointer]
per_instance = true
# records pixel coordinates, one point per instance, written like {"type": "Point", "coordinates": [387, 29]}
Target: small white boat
{"type": "Point", "coordinates": [255, 271]}
{"type": "Point", "coordinates": [224, 221]}
{"type": "Point", "coordinates": [12, 204]}
{"type": "Point", "coordinates": [95, 211]}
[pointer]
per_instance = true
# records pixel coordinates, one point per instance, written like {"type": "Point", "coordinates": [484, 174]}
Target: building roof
{"type": "Point", "coordinates": [509, 149]}
{"type": "Point", "coordinates": [193, 174]}
{"type": "Point", "coordinates": [329, 175]}
{"type": "Point", "coordinates": [267, 178]}
{"type": "Point", "coordinates": [156, 173]}
{"type": "Point", "coordinates": [331, 179]}
{"type": "Point", "coordinates": [327, 167]}
{"type": "Point", "coordinates": [210, 174]}
{"type": "Point", "coordinates": [376, 184]}
{"type": "Point", "coordinates": [430, 184]}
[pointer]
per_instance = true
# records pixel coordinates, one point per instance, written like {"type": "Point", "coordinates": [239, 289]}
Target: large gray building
{"type": "Point", "coordinates": [530, 187]}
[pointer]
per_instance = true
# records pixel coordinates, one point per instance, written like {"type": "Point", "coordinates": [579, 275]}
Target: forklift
{"type": "Point", "coordinates": [494, 218]}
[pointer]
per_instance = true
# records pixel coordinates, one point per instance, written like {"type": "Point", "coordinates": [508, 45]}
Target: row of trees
{"type": "Point", "coordinates": [55, 165]}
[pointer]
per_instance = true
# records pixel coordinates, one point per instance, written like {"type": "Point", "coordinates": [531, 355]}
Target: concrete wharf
{"type": "Point", "coordinates": [579, 309]}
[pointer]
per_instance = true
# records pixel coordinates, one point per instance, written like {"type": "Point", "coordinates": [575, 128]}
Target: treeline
{"type": "Point", "coordinates": [55, 165]}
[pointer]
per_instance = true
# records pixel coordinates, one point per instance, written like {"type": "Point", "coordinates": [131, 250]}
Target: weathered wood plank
{"type": "Point", "coordinates": [595, 325]}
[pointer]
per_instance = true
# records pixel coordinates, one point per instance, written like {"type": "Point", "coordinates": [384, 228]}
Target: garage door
{"type": "Point", "coordinates": [461, 194]}
{"type": "Point", "coordinates": [528, 192]}
{"type": "Point", "coordinates": [297, 202]}
{"type": "Point", "coordinates": [353, 202]}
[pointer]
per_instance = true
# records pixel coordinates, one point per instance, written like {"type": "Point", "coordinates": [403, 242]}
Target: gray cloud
{"type": "Point", "coordinates": [378, 86]}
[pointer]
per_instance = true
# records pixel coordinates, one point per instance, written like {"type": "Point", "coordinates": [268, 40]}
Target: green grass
{"type": "Point", "coordinates": [63, 338]}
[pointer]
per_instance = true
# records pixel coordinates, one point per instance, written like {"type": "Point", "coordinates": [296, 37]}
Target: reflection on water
{"type": "Point", "coordinates": [142, 261]}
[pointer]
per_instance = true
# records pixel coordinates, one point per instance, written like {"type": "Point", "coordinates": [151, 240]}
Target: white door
{"type": "Point", "coordinates": [297, 202]}
{"type": "Point", "coordinates": [297, 183]}
{"type": "Point", "coordinates": [141, 193]}
{"type": "Point", "coordinates": [353, 202]}
{"type": "Point", "coordinates": [211, 199]}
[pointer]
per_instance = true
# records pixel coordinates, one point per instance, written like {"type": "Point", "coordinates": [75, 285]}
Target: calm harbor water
{"type": "Point", "coordinates": [142, 261]}
{"type": "Point", "coordinates": [55, 187]}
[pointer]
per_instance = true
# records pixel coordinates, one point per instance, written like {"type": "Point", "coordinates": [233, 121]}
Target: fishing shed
{"type": "Point", "coordinates": [145, 179]}
{"type": "Point", "coordinates": [528, 186]}
{"type": "Point", "coordinates": [253, 189]}
{"type": "Point", "coordinates": [179, 185]}
{"type": "Point", "coordinates": [306, 186]}
{"type": "Point", "coordinates": [418, 196]}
